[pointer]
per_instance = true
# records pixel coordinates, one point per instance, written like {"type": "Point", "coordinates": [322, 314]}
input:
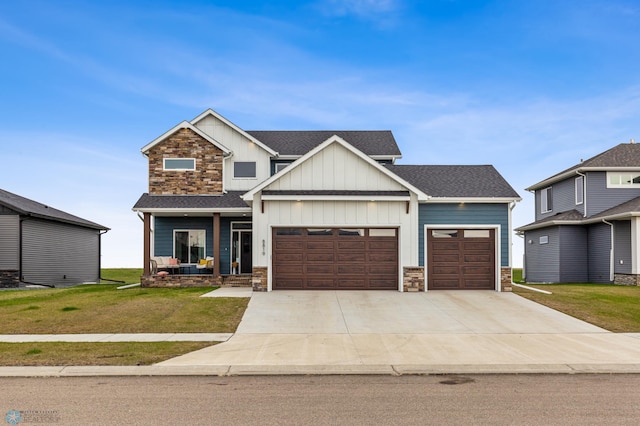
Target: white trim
{"type": "Point", "coordinates": [498, 241]}
{"type": "Point", "coordinates": [472, 200]}
{"type": "Point", "coordinates": [544, 200]}
{"type": "Point", "coordinates": [335, 139]}
{"type": "Point", "coordinates": [278, 167]}
{"type": "Point", "coordinates": [164, 164]}
{"type": "Point", "coordinates": [635, 245]}
{"type": "Point", "coordinates": [231, 231]}
{"type": "Point", "coordinates": [211, 112]}
{"type": "Point", "coordinates": [580, 186]}
{"type": "Point", "coordinates": [184, 125]}
{"type": "Point", "coordinates": [335, 198]}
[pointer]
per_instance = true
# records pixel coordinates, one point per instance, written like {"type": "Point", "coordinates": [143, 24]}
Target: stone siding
{"type": "Point", "coordinates": [260, 278]}
{"type": "Point", "coordinates": [413, 278]}
{"type": "Point", "coordinates": [185, 143]}
{"type": "Point", "coordinates": [505, 279]}
{"type": "Point", "coordinates": [9, 279]}
{"type": "Point", "coordinates": [180, 281]}
{"type": "Point", "coordinates": [626, 279]}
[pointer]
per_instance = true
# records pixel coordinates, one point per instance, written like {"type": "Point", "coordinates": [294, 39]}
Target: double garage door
{"type": "Point", "coordinates": [335, 258]}
{"type": "Point", "coordinates": [461, 259]}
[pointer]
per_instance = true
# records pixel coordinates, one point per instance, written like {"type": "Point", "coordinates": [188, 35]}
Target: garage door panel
{"type": "Point", "coordinates": [444, 283]}
{"type": "Point", "coordinates": [479, 245]}
{"type": "Point", "coordinates": [477, 258]}
{"type": "Point", "coordinates": [446, 257]}
{"type": "Point", "coordinates": [478, 284]}
{"type": "Point", "coordinates": [335, 260]}
{"type": "Point", "coordinates": [450, 270]}
{"type": "Point", "coordinates": [441, 245]}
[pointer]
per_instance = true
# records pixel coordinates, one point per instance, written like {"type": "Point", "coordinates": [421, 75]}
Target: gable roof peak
{"type": "Point", "coordinates": [183, 125]}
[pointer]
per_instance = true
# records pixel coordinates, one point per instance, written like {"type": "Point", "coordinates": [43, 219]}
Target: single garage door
{"type": "Point", "coordinates": [461, 259]}
{"type": "Point", "coordinates": [335, 259]}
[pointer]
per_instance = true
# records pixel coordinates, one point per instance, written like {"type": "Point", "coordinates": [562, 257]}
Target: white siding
{"type": "Point", "coordinates": [9, 242]}
{"type": "Point", "coordinates": [243, 150]}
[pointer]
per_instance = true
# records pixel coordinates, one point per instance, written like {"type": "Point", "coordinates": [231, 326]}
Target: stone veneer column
{"type": "Point", "coordinates": [9, 279]}
{"type": "Point", "coordinates": [626, 279]}
{"type": "Point", "coordinates": [259, 278]}
{"type": "Point", "coordinates": [413, 278]}
{"type": "Point", "coordinates": [505, 279]}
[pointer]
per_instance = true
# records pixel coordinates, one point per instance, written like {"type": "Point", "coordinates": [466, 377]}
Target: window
{"type": "Point", "coordinates": [444, 233]}
{"type": "Point", "coordinates": [623, 180]}
{"type": "Point", "coordinates": [280, 166]}
{"type": "Point", "coordinates": [351, 232]}
{"type": "Point", "coordinates": [189, 246]}
{"type": "Point", "coordinates": [477, 233]}
{"type": "Point", "coordinates": [546, 200]}
{"type": "Point", "coordinates": [378, 232]}
{"type": "Point", "coordinates": [244, 169]}
{"type": "Point", "coordinates": [179, 163]}
{"type": "Point", "coordinates": [579, 190]}
{"type": "Point", "coordinates": [544, 239]}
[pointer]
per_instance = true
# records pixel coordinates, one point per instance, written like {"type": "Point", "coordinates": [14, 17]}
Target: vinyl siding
{"type": "Point", "coordinates": [563, 199]}
{"type": "Point", "coordinates": [573, 254]}
{"type": "Point", "coordinates": [622, 247]}
{"type": "Point", "coordinates": [465, 214]}
{"type": "Point", "coordinates": [542, 264]}
{"type": "Point", "coordinates": [56, 253]}
{"type": "Point", "coordinates": [9, 242]}
{"type": "Point", "coordinates": [599, 240]}
{"type": "Point", "coordinates": [600, 198]}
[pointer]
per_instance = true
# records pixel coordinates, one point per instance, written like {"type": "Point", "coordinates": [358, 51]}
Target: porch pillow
{"type": "Point", "coordinates": [173, 261]}
{"type": "Point", "coordinates": [203, 261]}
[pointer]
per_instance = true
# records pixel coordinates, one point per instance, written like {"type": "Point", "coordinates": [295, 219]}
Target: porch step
{"type": "Point", "coordinates": [236, 280]}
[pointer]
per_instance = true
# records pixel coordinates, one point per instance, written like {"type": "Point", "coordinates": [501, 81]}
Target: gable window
{"type": "Point", "coordinates": [179, 163]}
{"type": "Point", "coordinates": [189, 246]}
{"type": "Point", "coordinates": [546, 200]}
{"type": "Point", "coordinates": [244, 169]}
{"type": "Point", "coordinates": [623, 180]}
{"type": "Point", "coordinates": [579, 190]}
{"type": "Point", "coordinates": [280, 166]}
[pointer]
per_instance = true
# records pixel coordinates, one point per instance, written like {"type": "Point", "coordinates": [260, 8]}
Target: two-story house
{"type": "Point", "coordinates": [587, 224]}
{"type": "Point", "coordinates": [319, 210]}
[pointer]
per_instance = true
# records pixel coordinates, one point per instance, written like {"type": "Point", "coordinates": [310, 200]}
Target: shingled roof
{"type": "Point", "coordinates": [229, 200]}
{"type": "Point", "coordinates": [620, 156]}
{"type": "Point", "coordinates": [299, 142]}
{"type": "Point", "coordinates": [27, 207]}
{"type": "Point", "coordinates": [457, 181]}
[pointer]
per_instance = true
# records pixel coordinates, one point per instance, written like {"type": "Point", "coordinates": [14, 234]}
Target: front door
{"type": "Point", "coordinates": [245, 252]}
{"type": "Point", "coordinates": [241, 235]}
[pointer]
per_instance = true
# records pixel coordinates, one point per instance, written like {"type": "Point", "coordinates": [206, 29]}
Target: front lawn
{"type": "Point", "coordinates": [612, 307]}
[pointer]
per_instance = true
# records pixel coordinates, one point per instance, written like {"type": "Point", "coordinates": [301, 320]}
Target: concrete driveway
{"type": "Point", "coordinates": [302, 332]}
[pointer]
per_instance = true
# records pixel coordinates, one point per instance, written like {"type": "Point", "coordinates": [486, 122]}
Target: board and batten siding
{"type": "Point", "coordinates": [243, 149]}
{"type": "Point", "coordinates": [56, 253]}
{"type": "Point", "coordinates": [600, 198]}
{"type": "Point", "coordinates": [466, 214]}
{"type": "Point", "coordinates": [622, 247]}
{"type": "Point", "coordinates": [599, 253]}
{"type": "Point", "coordinates": [542, 260]}
{"type": "Point", "coordinates": [563, 198]}
{"type": "Point", "coordinates": [573, 254]}
{"type": "Point", "coordinates": [9, 242]}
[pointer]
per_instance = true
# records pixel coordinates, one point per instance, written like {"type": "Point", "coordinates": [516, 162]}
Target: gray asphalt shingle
{"type": "Point", "coordinates": [229, 200]}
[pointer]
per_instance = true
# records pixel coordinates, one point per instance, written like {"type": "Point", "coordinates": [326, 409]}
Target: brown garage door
{"type": "Point", "coordinates": [335, 259]}
{"type": "Point", "coordinates": [461, 259]}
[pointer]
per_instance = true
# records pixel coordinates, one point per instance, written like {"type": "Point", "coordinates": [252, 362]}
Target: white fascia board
{"type": "Point", "coordinates": [554, 179]}
{"type": "Point", "coordinates": [471, 200]}
{"type": "Point", "coordinates": [209, 111]}
{"type": "Point", "coordinates": [184, 125]}
{"type": "Point", "coordinates": [336, 139]}
{"type": "Point", "coordinates": [334, 198]}
{"type": "Point", "coordinates": [619, 216]}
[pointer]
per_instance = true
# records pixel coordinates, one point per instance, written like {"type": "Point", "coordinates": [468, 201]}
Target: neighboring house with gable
{"type": "Point", "coordinates": [587, 222]}
{"type": "Point", "coordinates": [43, 245]}
{"type": "Point", "coordinates": [319, 210]}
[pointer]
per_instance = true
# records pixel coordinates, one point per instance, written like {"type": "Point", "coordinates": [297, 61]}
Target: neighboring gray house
{"type": "Point", "coordinates": [318, 210]}
{"type": "Point", "coordinates": [587, 222]}
{"type": "Point", "coordinates": [43, 245]}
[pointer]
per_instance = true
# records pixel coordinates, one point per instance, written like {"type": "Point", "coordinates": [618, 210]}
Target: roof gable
{"type": "Point", "coordinates": [25, 206]}
{"type": "Point", "coordinates": [184, 125]}
{"type": "Point", "coordinates": [209, 112]}
{"type": "Point", "coordinates": [332, 144]}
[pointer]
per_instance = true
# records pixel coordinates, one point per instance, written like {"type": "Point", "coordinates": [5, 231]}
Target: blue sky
{"type": "Point", "coordinates": [528, 86]}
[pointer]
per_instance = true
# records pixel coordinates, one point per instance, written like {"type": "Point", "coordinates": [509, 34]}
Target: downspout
{"type": "Point", "coordinates": [584, 192]}
{"type": "Point", "coordinates": [611, 264]}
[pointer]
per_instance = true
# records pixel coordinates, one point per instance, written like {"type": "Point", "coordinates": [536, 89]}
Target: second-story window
{"type": "Point", "coordinates": [623, 179]}
{"type": "Point", "coordinates": [579, 190]}
{"type": "Point", "coordinates": [179, 163]}
{"type": "Point", "coordinates": [546, 200]}
{"type": "Point", "coordinates": [244, 169]}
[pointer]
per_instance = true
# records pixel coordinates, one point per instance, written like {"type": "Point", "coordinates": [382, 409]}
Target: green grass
{"type": "Point", "coordinates": [612, 307]}
{"type": "Point", "coordinates": [126, 275]}
{"type": "Point", "coordinates": [65, 354]}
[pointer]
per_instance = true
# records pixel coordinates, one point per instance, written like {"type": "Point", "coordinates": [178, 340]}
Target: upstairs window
{"type": "Point", "coordinates": [179, 163]}
{"type": "Point", "coordinates": [579, 190]}
{"type": "Point", "coordinates": [280, 166]}
{"type": "Point", "coordinates": [623, 180]}
{"type": "Point", "coordinates": [546, 200]}
{"type": "Point", "coordinates": [244, 169]}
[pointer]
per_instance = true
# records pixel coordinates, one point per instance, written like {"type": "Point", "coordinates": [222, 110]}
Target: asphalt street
{"type": "Point", "coordinates": [585, 399]}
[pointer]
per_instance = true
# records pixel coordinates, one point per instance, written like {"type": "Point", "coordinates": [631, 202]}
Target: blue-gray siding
{"type": "Point", "coordinates": [599, 237]}
{"type": "Point", "coordinates": [163, 236]}
{"type": "Point", "coordinates": [600, 198]}
{"type": "Point", "coordinates": [9, 242]}
{"type": "Point", "coordinates": [563, 198]}
{"type": "Point", "coordinates": [542, 261]}
{"type": "Point", "coordinates": [465, 214]}
{"type": "Point", "coordinates": [57, 253]}
{"type": "Point", "coordinates": [622, 247]}
{"type": "Point", "coordinates": [573, 254]}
